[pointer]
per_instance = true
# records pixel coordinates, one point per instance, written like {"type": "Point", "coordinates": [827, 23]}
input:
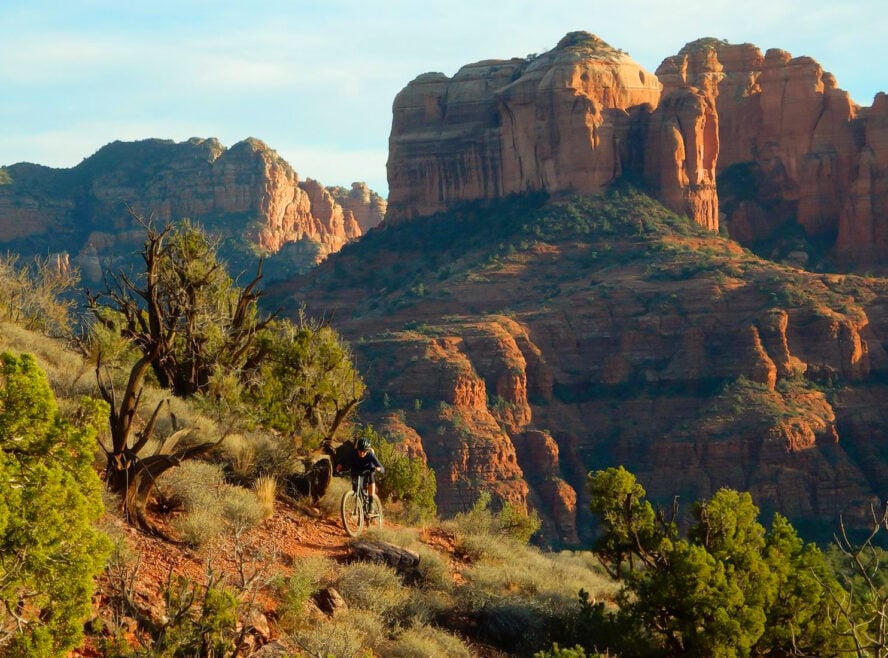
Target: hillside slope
{"type": "Point", "coordinates": [519, 344]}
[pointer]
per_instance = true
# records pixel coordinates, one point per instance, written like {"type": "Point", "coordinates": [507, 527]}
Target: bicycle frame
{"type": "Point", "coordinates": [359, 508]}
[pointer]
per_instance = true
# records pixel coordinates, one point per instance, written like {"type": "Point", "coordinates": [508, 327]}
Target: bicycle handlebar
{"type": "Point", "coordinates": [347, 472]}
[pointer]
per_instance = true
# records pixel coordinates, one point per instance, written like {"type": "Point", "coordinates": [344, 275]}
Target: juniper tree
{"type": "Point", "coordinates": [49, 498]}
{"type": "Point", "coordinates": [728, 588]}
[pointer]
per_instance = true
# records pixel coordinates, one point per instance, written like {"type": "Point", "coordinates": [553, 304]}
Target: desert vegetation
{"type": "Point", "coordinates": [182, 369]}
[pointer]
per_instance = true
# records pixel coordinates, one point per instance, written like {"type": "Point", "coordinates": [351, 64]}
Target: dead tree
{"type": "Point", "coordinates": [127, 471]}
{"type": "Point", "coordinates": [184, 310]}
{"type": "Point", "coordinates": [860, 610]}
{"type": "Point", "coordinates": [163, 318]}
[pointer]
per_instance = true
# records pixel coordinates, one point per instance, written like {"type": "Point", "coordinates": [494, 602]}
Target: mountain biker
{"type": "Point", "coordinates": [362, 460]}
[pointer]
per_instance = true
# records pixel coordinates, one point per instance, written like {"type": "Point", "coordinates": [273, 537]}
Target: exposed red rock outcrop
{"type": "Point", "coordinates": [863, 224]}
{"type": "Point", "coordinates": [819, 159]}
{"type": "Point", "coordinates": [366, 205]}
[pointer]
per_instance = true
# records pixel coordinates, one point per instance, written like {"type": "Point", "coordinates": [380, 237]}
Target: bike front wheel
{"type": "Point", "coordinates": [374, 517]}
{"type": "Point", "coordinates": [352, 514]}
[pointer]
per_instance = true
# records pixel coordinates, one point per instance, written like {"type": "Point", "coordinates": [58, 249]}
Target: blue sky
{"type": "Point", "coordinates": [316, 80]}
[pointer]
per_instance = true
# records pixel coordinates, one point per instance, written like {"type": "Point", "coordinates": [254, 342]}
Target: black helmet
{"type": "Point", "coordinates": [363, 443]}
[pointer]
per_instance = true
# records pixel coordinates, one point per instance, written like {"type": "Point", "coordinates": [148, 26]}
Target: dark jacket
{"type": "Point", "coordinates": [358, 464]}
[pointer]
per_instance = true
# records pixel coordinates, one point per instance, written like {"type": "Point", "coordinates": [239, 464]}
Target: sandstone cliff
{"type": "Point", "coordinates": [247, 193]}
{"type": "Point", "coordinates": [764, 142]}
{"type": "Point", "coordinates": [551, 123]}
{"type": "Point", "coordinates": [815, 158]}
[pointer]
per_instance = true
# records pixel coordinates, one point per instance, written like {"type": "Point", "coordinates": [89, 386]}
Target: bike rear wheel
{"type": "Point", "coordinates": [374, 518]}
{"type": "Point", "coordinates": [352, 514]}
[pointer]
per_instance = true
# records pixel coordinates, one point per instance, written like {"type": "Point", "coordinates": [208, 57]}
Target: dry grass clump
{"type": "Point", "coordinates": [531, 572]}
{"type": "Point", "coordinates": [484, 546]}
{"type": "Point", "coordinates": [427, 641]}
{"type": "Point", "coordinates": [347, 635]}
{"type": "Point", "coordinates": [330, 503]}
{"type": "Point", "coordinates": [403, 536]}
{"type": "Point", "coordinates": [191, 484]}
{"type": "Point", "coordinates": [241, 508]}
{"type": "Point", "coordinates": [530, 599]}
{"type": "Point", "coordinates": [34, 294]}
{"type": "Point", "coordinates": [210, 505]}
{"type": "Point", "coordinates": [251, 455]}
{"type": "Point", "coordinates": [373, 587]}
{"type": "Point", "coordinates": [426, 606]}
{"type": "Point", "coordinates": [265, 488]}
{"type": "Point", "coordinates": [198, 526]}
{"type": "Point", "coordinates": [68, 373]}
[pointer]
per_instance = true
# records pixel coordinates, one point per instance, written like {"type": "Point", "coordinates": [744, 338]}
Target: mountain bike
{"type": "Point", "coordinates": [359, 509]}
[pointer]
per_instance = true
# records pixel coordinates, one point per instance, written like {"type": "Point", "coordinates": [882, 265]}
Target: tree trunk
{"type": "Point", "coordinates": [134, 478]}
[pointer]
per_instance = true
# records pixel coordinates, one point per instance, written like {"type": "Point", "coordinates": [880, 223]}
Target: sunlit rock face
{"type": "Point", "coordinates": [554, 122]}
{"type": "Point", "coordinates": [772, 131]}
{"type": "Point", "coordinates": [247, 192]}
{"type": "Point", "coordinates": [816, 158]}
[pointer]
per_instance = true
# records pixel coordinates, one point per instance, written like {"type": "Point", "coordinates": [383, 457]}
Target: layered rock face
{"type": "Point", "coordinates": [366, 205]}
{"type": "Point", "coordinates": [247, 192]}
{"type": "Point", "coordinates": [805, 140]}
{"type": "Point", "coordinates": [809, 154]}
{"type": "Point", "coordinates": [467, 391]}
{"type": "Point", "coordinates": [773, 131]}
{"type": "Point", "coordinates": [571, 120]}
{"type": "Point", "coordinates": [863, 227]}
{"type": "Point", "coordinates": [556, 122]}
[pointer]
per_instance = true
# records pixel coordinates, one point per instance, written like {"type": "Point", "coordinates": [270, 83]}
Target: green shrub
{"type": "Point", "coordinates": [305, 382]}
{"type": "Point", "coordinates": [200, 620]}
{"type": "Point", "coordinates": [729, 588]}
{"type": "Point", "coordinates": [293, 592]}
{"type": "Point", "coordinates": [49, 498]}
{"type": "Point", "coordinates": [480, 530]}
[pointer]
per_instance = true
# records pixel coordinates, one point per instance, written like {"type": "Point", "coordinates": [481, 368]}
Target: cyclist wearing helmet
{"type": "Point", "coordinates": [362, 460]}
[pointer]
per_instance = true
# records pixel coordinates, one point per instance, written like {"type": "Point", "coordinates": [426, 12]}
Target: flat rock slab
{"type": "Point", "coordinates": [399, 558]}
